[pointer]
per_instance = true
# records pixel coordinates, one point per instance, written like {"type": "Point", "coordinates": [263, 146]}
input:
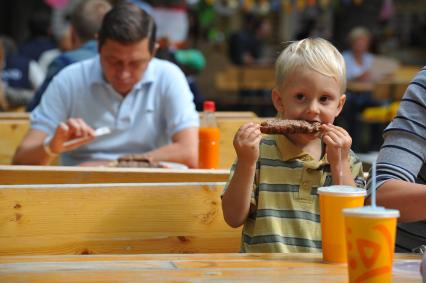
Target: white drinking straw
{"type": "Point", "coordinates": [373, 184]}
{"type": "Point", "coordinates": [340, 166]}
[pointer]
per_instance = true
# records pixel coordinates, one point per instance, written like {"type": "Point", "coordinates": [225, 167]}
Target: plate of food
{"type": "Point", "coordinates": [172, 165]}
{"type": "Point", "coordinates": [144, 161]}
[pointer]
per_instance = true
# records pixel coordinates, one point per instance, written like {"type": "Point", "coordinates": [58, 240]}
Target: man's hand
{"type": "Point", "coordinates": [72, 129]}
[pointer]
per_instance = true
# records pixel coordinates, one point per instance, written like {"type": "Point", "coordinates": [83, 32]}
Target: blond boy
{"type": "Point", "coordinates": [272, 190]}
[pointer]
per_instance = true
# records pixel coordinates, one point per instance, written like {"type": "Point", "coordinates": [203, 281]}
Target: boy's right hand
{"type": "Point", "coordinates": [246, 142]}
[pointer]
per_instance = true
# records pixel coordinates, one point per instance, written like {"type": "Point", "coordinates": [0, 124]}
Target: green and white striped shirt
{"type": "Point", "coordinates": [284, 212]}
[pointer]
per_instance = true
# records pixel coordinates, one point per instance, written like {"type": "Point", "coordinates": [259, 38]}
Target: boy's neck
{"type": "Point", "coordinates": [312, 147]}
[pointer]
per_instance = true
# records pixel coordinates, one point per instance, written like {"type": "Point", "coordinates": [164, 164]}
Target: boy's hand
{"type": "Point", "coordinates": [336, 138]}
{"type": "Point", "coordinates": [246, 143]}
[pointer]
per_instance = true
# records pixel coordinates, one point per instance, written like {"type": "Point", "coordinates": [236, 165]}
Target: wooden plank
{"type": "Point", "coordinates": [228, 79]}
{"type": "Point", "coordinates": [114, 219]}
{"type": "Point", "coordinates": [234, 115]}
{"type": "Point", "coordinates": [189, 268]}
{"type": "Point", "coordinates": [15, 175]}
{"type": "Point", "coordinates": [14, 115]}
{"type": "Point", "coordinates": [219, 115]}
{"type": "Point", "coordinates": [234, 78]}
{"type": "Point", "coordinates": [258, 78]}
{"type": "Point", "coordinates": [11, 131]}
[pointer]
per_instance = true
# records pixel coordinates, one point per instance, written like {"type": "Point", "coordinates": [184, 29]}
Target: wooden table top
{"type": "Point", "coordinates": [304, 268]}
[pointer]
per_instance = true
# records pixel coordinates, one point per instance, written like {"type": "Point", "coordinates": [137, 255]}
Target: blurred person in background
{"type": "Point", "coordinates": [21, 76]}
{"type": "Point", "coordinates": [246, 47]}
{"type": "Point", "coordinates": [359, 63]}
{"type": "Point", "coordinates": [3, 104]}
{"type": "Point", "coordinates": [358, 59]}
{"type": "Point", "coordinates": [40, 39]}
{"type": "Point", "coordinates": [86, 21]}
{"type": "Point", "coordinates": [144, 101]}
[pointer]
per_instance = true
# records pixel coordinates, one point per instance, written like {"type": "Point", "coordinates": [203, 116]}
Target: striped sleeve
{"type": "Point", "coordinates": [403, 153]}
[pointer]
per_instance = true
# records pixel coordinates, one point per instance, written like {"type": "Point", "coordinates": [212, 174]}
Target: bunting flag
{"type": "Point", "coordinates": [324, 3]}
{"type": "Point", "coordinates": [288, 6]}
{"type": "Point", "coordinates": [248, 5]}
{"type": "Point", "coordinates": [312, 2]}
{"type": "Point", "coordinates": [300, 5]}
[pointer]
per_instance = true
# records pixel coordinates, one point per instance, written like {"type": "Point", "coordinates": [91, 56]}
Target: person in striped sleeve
{"type": "Point", "coordinates": [401, 167]}
{"type": "Point", "coordinates": [273, 185]}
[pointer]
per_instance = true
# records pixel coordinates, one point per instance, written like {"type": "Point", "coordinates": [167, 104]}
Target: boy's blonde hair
{"type": "Point", "coordinates": [315, 53]}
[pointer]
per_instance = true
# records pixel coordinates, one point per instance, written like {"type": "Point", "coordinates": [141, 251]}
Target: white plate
{"type": "Point", "coordinates": [173, 165]}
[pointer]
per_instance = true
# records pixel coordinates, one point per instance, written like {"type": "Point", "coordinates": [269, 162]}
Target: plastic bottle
{"type": "Point", "coordinates": [209, 137]}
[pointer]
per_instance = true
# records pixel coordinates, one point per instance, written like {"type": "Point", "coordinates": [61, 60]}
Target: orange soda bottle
{"type": "Point", "coordinates": [209, 138]}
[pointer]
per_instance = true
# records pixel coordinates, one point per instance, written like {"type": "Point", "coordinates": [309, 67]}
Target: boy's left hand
{"type": "Point", "coordinates": [336, 137]}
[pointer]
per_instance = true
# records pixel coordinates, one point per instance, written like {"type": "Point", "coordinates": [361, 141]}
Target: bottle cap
{"type": "Point", "coordinates": [209, 106]}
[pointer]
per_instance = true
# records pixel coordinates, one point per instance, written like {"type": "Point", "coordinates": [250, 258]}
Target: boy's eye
{"type": "Point", "coordinates": [324, 98]}
{"type": "Point", "coordinates": [300, 96]}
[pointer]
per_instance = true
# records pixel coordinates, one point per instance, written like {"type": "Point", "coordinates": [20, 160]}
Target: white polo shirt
{"type": "Point", "coordinates": [158, 106]}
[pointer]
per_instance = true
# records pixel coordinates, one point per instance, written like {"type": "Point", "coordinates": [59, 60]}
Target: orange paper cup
{"type": "Point", "coordinates": [333, 200]}
{"type": "Point", "coordinates": [370, 237]}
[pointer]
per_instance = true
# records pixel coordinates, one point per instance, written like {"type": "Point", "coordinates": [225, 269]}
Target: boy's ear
{"type": "Point", "coordinates": [342, 101]}
{"type": "Point", "coordinates": [277, 101]}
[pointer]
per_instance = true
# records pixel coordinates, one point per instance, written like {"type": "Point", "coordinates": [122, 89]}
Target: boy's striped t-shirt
{"type": "Point", "coordinates": [284, 211]}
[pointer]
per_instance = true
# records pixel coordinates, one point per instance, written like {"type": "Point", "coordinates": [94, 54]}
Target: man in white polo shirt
{"type": "Point", "coordinates": [145, 102]}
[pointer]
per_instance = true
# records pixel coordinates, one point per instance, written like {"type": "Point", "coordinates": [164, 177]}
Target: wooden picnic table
{"type": "Point", "coordinates": [232, 267]}
{"type": "Point", "coordinates": [21, 174]}
{"type": "Point", "coordinates": [391, 88]}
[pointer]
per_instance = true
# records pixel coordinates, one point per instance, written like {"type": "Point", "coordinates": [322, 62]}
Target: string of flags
{"type": "Point", "coordinates": [287, 6]}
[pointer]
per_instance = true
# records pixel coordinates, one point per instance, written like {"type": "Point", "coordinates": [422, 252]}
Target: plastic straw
{"type": "Point", "coordinates": [373, 184]}
{"type": "Point", "coordinates": [340, 166]}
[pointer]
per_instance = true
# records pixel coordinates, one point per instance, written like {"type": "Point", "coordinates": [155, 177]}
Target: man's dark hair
{"type": "Point", "coordinates": [127, 23]}
{"type": "Point", "coordinates": [87, 18]}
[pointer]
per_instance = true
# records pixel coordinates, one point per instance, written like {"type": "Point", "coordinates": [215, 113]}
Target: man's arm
{"type": "Point", "coordinates": [183, 149]}
{"type": "Point", "coordinates": [408, 198]}
{"type": "Point", "coordinates": [403, 156]}
{"type": "Point", "coordinates": [31, 151]}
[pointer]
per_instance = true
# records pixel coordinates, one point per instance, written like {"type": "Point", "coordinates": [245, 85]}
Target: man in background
{"type": "Point", "coordinates": [86, 20]}
{"type": "Point", "coordinates": [145, 102]}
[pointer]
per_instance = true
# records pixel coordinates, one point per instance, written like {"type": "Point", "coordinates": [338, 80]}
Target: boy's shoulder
{"type": "Point", "coordinates": [353, 157]}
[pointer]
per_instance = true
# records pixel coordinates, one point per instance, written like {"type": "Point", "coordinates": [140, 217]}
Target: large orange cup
{"type": "Point", "coordinates": [333, 200]}
{"type": "Point", "coordinates": [370, 237]}
{"type": "Point", "coordinates": [208, 149]}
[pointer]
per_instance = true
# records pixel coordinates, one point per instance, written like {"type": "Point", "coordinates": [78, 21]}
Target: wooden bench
{"type": "Point", "coordinates": [218, 114]}
{"type": "Point", "coordinates": [114, 219]}
{"type": "Point", "coordinates": [14, 116]}
{"type": "Point", "coordinates": [233, 78]}
{"type": "Point", "coordinates": [17, 175]}
{"type": "Point", "coordinates": [12, 132]}
{"type": "Point", "coordinates": [14, 126]}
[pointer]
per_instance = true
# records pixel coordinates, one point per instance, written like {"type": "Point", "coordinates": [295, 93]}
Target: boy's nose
{"type": "Point", "coordinates": [313, 108]}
